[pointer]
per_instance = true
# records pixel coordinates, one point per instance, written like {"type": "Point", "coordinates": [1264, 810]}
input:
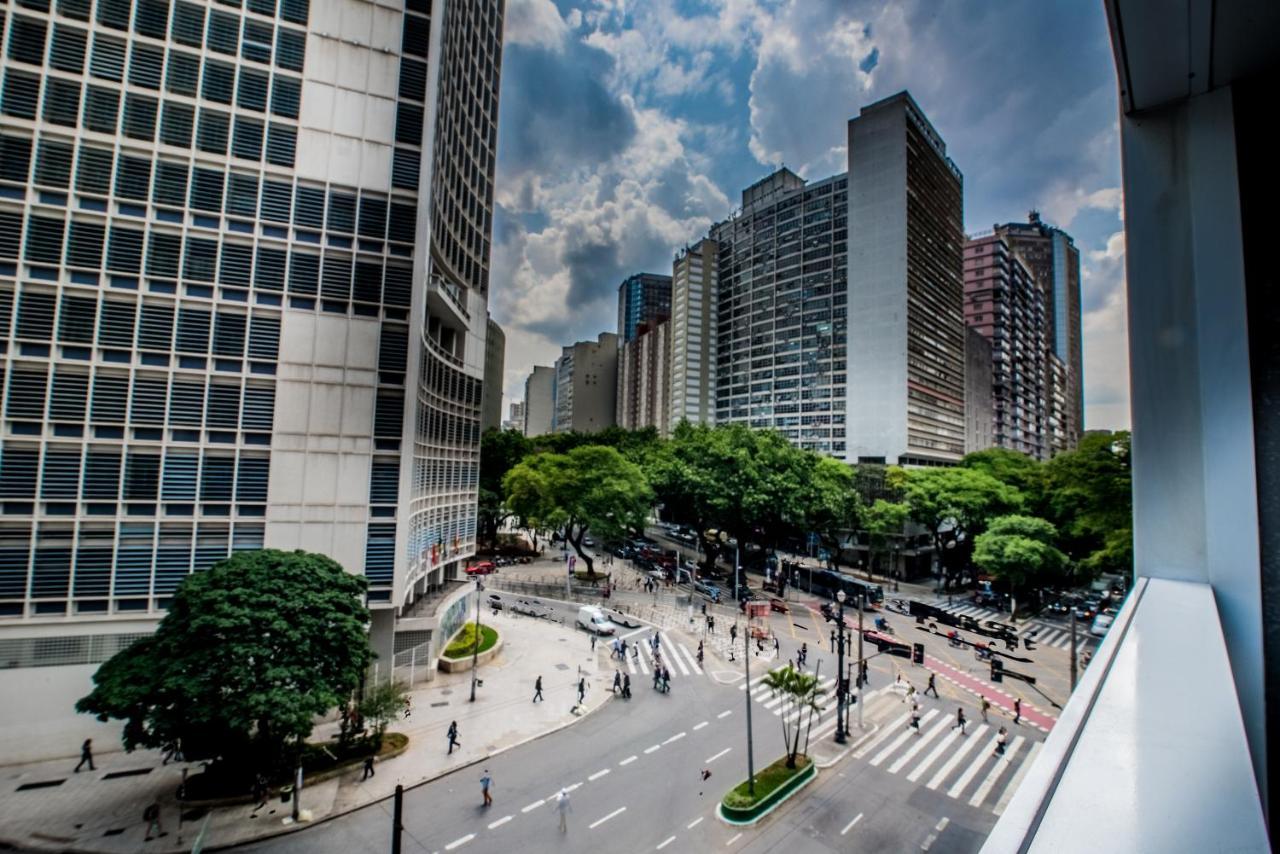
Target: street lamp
{"type": "Point", "coordinates": [475, 651]}
{"type": "Point", "coordinates": [842, 733]}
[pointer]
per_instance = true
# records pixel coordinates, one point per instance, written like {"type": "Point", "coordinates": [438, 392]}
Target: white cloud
{"type": "Point", "coordinates": [1065, 201]}
{"type": "Point", "coordinates": [536, 23]}
{"type": "Point", "coordinates": [1105, 336]}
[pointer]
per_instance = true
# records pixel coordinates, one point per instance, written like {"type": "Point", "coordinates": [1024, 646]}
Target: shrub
{"type": "Point", "coordinates": [463, 643]}
{"type": "Point", "coordinates": [767, 781]}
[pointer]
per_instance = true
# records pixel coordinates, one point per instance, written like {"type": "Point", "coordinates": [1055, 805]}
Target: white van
{"type": "Point", "coordinates": [591, 618]}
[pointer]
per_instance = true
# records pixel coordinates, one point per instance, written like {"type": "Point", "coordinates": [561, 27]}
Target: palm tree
{"type": "Point", "coordinates": [799, 691]}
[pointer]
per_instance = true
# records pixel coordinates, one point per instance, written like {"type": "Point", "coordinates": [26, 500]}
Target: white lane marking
{"type": "Point", "coordinates": [950, 764]}
{"type": "Point", "coordinates": [711, 759]}
{"type": "Point", "coordinates": [462, 841]}
{"type": "Point", "coordinates": [989, 783]}
{"type": "Point", "coordinates": [675, 737]}
{"type": "Point", "coordinates": [601, 821]}
{"type": "Point", "coordinates": [534, 805]}
{"type": "Point", "coordinates": [668, 651]}
{"type": "Point", "coordinates": [897, 742]}
{"type": "Point", "coordinates": [691, 825]}
{"type": "Point", "coordinates": [649, 750]}
{"type": "Point", "coordinates": [972, 771]}
{"type": "Point", "coordinates": [1012, 785]}
{"type": "Point", "coordinates": [664, 843]}
{"type": "Point", "coordinates": [924, 846]}
{"type": "Point", "coordinates": [885, 733]}
{"type": "Point", "coordinates": [598, 775]}
{"type": "Point", "coordinates": [699, 726]}
{"type": "Point", "coordinates": [942, 824]}
{"type": "Point", "coordinates": [628, 760]}
{"type": "Point", "coordinates": [918, 746]}
{"type": "Point", "coordinates": [692, 659]}
{"type": "Point", "coordinates": [500, 822]}
{"type": "Point", "coordinates": [643, 663]}
{"type": "Point", "coordinates": [632, 634]}
{"type": "Point", "coordinates": [933, 755]}
{"type": "Point", "coordinates": [631, 666]}
{"type": "Point", "coordinates": [733, 840]}
{"type": "Point", "coordinates": [848, 827]}
{"type": "Point", "coordinates": [574, 786]}
{"type": "Point", "coordinates": [725, 713]}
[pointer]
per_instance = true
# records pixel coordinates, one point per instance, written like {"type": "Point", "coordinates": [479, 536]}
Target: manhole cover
{"type": "Point", "coordinates": [562, 667]}
{"type": "Point", "coordinates": [42, 784]}
{"type": "Point", "coordinates": [446, 691]}
{"type": "Point", "coordinates": [441, 703]}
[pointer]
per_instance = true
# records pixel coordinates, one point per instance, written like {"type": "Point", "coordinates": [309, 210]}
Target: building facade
{"type": "Point", "coordinates": [979, 415]}
{"type": "Point", "coordinates": [495, 350]}
{"type": "Point", "coordinates": [644, 380]}
{"type": "Point", "coordinates": [587, 385]}
{"type": "Point", "coordinates": [644, 299]}
{"type": "Point", "coordinates": [243, 277]}
{"type": "Point", "coordinates": [515, 417]}
{"type": "Point", "coordinates": [906, 289]}
{"type": "Point", "coordinates": [540, 401]}
{"type": "Point", "coordinates": [781, 329]}
{"type": "Point", "coordinates": [695, 294]}
{"type": "Point", "coordinates": [1053, 259]}
{"type": "Point", "coordinates": [1005, 305]}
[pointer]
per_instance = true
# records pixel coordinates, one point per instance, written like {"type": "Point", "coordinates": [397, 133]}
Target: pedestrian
{"type": "Point", "coordinates": [704, 609]}
{"type": "Point", "coordinates": [626, 686]}
{"type": "Point", "coordinates": [915, 717]}
{"type": "Point", "coordinates": [711, 623]}
{"type": "Point", "coordinates": [151, 815]}
{"type": "Point", "coordinates": [777, 647]}
{"type": "Point", "coordinates": [537, 689]}
{"type": "Point", "coordinates": [733, 633]}
{"type": "Point", "coordinates": [593, 641]}
{"type": "Point", "coordinates": [1001, 738]}
{"type": "Point", "coordinates": [485, 782]}
{"type": "Point", "coordinates": [408, 707]}
{"type": "Point", "coordinates": [617, 681]}
{"type": "Point", "coordinates": [622, 653]}
{"type": "Point", "coordinates": [911, 692]}
{"type": "Point", "coordinates": [368, 768]}
{"type": "Point", "coordinates": [986, 705]}
{"type": "Point", "coordinates": [562, 807]}
{"type": "Point", "coordinates": [657, 676]}
{"type": "Point", "coordinates": [933, 686]}
{"type": "Point", "coordinates": [582, 689]}
{"type": "Point", "coordinates": [1017, 710]}
{"type": "Point", "coordinates": [86, 756]}
{"type": "Point", "coordinates": [804, 654]}
{"type": "Point", "coordinates": [260, 790]}
{"type": "Point", "coordinates": [960, 721]}
{"type": "Point", "coordinates": [699, 652]}
{"type": "Point", "coordinates": [453, 737]}
{"type": "Point", "coordinates": [666, 681]}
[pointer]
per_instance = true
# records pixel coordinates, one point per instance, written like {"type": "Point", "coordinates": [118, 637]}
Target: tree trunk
{"type": "Point", "coordinates": [577, 547]}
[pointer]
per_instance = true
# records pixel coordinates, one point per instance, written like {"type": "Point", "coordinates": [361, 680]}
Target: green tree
{"type": "Point", "coordinates": [800, 692]}
{"type": "Point", "coordinates": [1019, 551]}
{"type": "Point", "coordinates": [380, 706]}
{"type": "Point", "coordinates": [1089, 496]}
{"type": "Point", "coordinates": [955, 504]}
{"type": "Point", "coordinates": [883, 521]}
{"type": "Point", "coordinates": [830, 504]}
{"type": "Point", "coordinates": [500, 451]}
{"type": "Point", "coordinates": [251, 652]}
{"type": "Point", "coordinates": [1017, 470]}
{"type": "Point", "coordinates": [591, 488]}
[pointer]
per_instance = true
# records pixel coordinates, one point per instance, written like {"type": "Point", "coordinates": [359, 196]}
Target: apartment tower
{"type": "Point", "coordinates": [695, 293]}
{"type": "Point", "coordinates": [495, 355]}
{"type": "Point", "coordinates": [587, 385]}
{"type": "Point", "coordinates": [644, 299]}
{"type": "Point", "coordinates": [644, 379]}
{"type": "Point", "coordinates": [539, 412]}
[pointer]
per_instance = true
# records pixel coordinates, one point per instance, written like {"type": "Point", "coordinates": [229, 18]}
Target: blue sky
{"type": "Point", "coordinates": [628, 126]}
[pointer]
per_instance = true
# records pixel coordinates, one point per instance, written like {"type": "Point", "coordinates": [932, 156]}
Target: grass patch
{"type": "Point", "coordinates": [581, 575]}
{"type": "Point", "coordinates": [464, 642]}
{"type": "Point", "coordinates": [768, 780]}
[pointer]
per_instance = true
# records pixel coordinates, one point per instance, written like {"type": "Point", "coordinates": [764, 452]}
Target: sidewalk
{"type": "Point", "coordinates": [46, 807]}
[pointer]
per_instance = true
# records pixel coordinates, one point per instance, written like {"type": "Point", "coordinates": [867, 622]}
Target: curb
{"type": "Point", "coordinates": [808, 777]}
{"type": "Point", "coordinates": [848, 748]}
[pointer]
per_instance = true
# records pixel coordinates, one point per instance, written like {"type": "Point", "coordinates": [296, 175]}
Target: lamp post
{"type": "Point", "coordinates": [475, 650]}
{"type": "Point", "coordinates": [842, 734]}
{"type": "Point", "coordinates": [862, 593]}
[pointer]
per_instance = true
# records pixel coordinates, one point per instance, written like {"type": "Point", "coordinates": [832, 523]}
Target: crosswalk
{"type": "Point", "coordinates": [679, 659]}
{"type": "Point", "coordinates": [1044, 634]}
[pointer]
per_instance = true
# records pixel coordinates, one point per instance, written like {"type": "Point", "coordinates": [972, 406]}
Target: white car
{"type": "Point", "coordinates": [594, 620]}
{"type": "Point", "coordinates": [1101, 623]}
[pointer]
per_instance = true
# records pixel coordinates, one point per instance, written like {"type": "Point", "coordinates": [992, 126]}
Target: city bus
{"type": "Point", "coordinates": [828, 583]}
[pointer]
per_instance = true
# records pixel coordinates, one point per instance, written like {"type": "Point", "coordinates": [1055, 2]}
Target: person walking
{"type": "Point", "coordinates": [986, 705]}
{"type": "Point", "coordinates": [368, 768]}
{"type": "Point", "coordinates": [960, 721]}
{"type": "Point", "coordinates": [932, 686]}
{"type": "Point", "coordinates": [562, 807]}
{"type": "Point", "coordinates": [863, 668]}
{"type": "Point", "coordinates": [582, 689]}
{"type": "Point", "coordinates": [593, 641]}
{"type": "Point", "coordinates": [657, 676]}
{"type": "Point", "coordinates": [537, 689]}
{"type": "Point", "coordinates": [777, 647]}
{"type": "Point", "coordinates": [699, 652]}
{"type": "Point", "coordinates": [666, 680]}
{"type": "Point", "coordinates": [733, 633]}
{"type": "Point", "coordinates": [617, 681]}
{"type": "Point", "coordinates": [486, 782]}
{"type": "Point", "coordinates": [1017, 710]}
{"type": "Point", "coordinates": [911, 693]}
{"type": "Point", "coordinates": [151, 815]}
{"type": "Point", "coordinates": [711, 624]}
{"type": "Point", "coordinates": [453, 737]}
{"type": "Point", "coordinates": [626, 686]}
{"type": "Point", "coordinates": [1001, 738]}
{"type": "Point", "coordinates": [804, 654]}
{"type": "Point", "coordinates": [915, 717]}
{"type": "Point", "coordinates": [86, 755]}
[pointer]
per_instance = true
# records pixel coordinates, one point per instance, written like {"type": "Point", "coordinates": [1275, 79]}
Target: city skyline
{"type": "Point", "coordinates": [654, 145]}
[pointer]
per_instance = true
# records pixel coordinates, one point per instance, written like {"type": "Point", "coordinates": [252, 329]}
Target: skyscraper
{"type": "Point", "coordinates": [905, 402]}
{"type": "Point", "coordinates": [495, 350]}
{"type": "Point", "coordinates": [1052, 256]}
{"type": "Point", "coordinates": [643, 299]}
{"type": "Point", "coordinates": [644, 379]}
{"type": "Point", "coordinates": [540, 401]}
{"type": "Point", "coordinates": [695, 294]}
{"type": "Point", "coordinates": [243, 277]}
{"type": "Point", "coordinates": [587, 385]}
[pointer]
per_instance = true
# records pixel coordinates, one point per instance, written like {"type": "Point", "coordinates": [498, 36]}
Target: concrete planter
{"type": "Point", "coordinates": [460, 665]}
{"type": "Point", "coordinates": [766, 805]}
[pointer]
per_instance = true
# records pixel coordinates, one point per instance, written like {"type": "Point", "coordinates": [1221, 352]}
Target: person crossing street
{"type": "Point", "coordinates": [537, 689]}
{"type": "Point", "coordinates": [617, 681]}
{"type": "Point", "coordinates": [1001, 738]}
{"type": "Point", "coordinates": [986, 705]}
{"type": "Point", "coordinates": [932, 686]}
{"type": "Point", "coordinates": [453, 737]}
{"type": "Point", "coordinates": [960, 721]}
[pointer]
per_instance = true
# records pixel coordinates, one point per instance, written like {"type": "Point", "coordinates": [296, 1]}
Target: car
{"type": "Point", "coordinates": [483, 568]}
{"type": "Point", "coordinates": [593, 619]}
{"type": "Point", "coordinates": [776, 604]}
{"type": "Point", "coordinates": [587, 541]}
{"type": "Point", "coordinates": [1101, 623]}
{"type": "Point", "coordinates": [1086, 610]}
{"type": "Point", "coordinates": [707, 589]}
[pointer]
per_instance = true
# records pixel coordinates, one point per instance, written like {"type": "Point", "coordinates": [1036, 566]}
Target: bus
{"type": "Point", "coordinates": [828, 583]}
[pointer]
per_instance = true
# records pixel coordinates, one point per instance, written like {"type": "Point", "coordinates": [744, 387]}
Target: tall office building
{"type": "Point", "coordinates": [781, 333]}
{"type": "Point", "coordinates": [495, 350]}
{"type": "Point", "coordinates": [695, 294]}
{"type": "Point", "coordinates": [644, 379]}
{"type": "Point", "coordinates": [243, 277]}
{"type": "Point", "coordinates": [1005, 305]}
{"type": "Point", "coordinates": [515, 417]}
{"type": "Point", "coordinates": [644, 299]}
{"type": "Point", "coordinates": [979, 409]}
{"type": "Point", "coordinates": [540, 401]}
{"type": "Point", "coordinates": [1054, 261]}
{"type": "Point", "coordinates": [906, 289]}
{"type": "Point", "coordinates": [587, 385]}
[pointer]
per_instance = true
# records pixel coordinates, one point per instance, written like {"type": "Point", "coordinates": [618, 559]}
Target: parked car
{"type": "Point", "coordinates": [485, 567]}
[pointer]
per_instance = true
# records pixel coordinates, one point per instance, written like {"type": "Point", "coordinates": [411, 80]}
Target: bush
{"type": "Point", "coordinates": [463, 643]}
{"type": "Point", "coordinates": [767, 781]}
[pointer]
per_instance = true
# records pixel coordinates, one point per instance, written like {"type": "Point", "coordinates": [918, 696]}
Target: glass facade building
{"type": "Point", "coordinates": [644, 299]}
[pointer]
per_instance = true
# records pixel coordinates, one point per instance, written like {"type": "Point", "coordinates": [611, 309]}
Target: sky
{"type": "Point", "coordinates": [627, 127]}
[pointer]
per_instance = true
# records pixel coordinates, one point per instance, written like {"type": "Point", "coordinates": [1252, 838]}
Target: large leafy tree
{"type": "Point", "coordinates": [830, 503]}
{"type": "Point", "coordinates": [590, 488]}
{"type": "Point", "coordinates": [1089, 497]}
{"type": "Point", "coordinates": [1017, 470]}
{"type": "Point", "coordinates": [500, 451]}
{"type": "Point", "coordinates": [883, 521]}
{"type": "Point", "coordinates": [251, 652]}
{"type": "Point", "coordinates": [955, 505]}
{"type": "Point", "coordinates": [1019, 551]}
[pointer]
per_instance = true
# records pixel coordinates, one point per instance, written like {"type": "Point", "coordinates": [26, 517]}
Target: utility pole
{"type": "Point", "coordinates": [746, 663]}
{"type": "Point", "coordinates": [1074, 653]}
{"type": "Point", "coordinates": [396, 814]}
{"type": "Point", "coordinates": [862, 592]}
{"type": "Point", "coordinates": [475, 650]}
{"type": "Point", "coordinates": [841, 734]}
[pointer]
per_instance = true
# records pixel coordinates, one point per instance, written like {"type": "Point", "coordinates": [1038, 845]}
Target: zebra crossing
{"type": "Point", "coordinates": [1044, 634]}
{"type": "Point", "coordinates": [678, 658]}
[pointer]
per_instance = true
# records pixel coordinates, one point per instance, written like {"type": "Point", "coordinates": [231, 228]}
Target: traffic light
{"type": "Point", "coordinates": [917, 653]}
{"type": "Point", "coordinates": [997, 670]}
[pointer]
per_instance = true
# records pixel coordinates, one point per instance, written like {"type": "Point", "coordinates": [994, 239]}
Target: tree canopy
{"type": "Point", "coordinates": [955, 504]}
{"type": "Point", "coordinates": [250, 653]}
{"type": "Point", "coordinates": [1089, 497]}
{"type": "Point", "coordinates": [1019, 550]}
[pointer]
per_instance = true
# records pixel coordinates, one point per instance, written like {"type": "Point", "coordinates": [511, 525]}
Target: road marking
{"type": "Point", "coordinates": [725, 713]}
{"type": "Point", "coordinates": [897, 742]}
{"type": "Point", "coordinates": [711, 759]}
{"type": "Point", "coordinates": [971, 771]}
{"type": "Point", "coordinates": [634, 633]}
{"type": "Point", "coordinates": [985, 788]}
{"type": "Point", "coordinates": [933, 755]}
{"type": "Point", "coordinates": [920, 744]}
{"type": "Point", "coordinates": [628, 760]}
{"type": "Point", "coordinates": [664, 843]}
{"type": "Point", "coordinates": [534, 805]}
{"type": "Point", "coordinates": [848, 827]}
{"type": "Point", "coordinates": [691, 825]}
{"type": "Point", "coordinates": [461, 841]}
{"type": "Point", "coordinates": [699, 726]}
{"type": "Point", "coordinates": [598, 775]}
{"type": "Point", "coordinates": [1012, 786]}
{"type": "Point", "coordinates": [950, 764]}
{"type": "Point", "coordinates": [574, 786]}
{"type": "Point", "coordinates": [500, 822]}
{"type": "Point", "coordinates": [649, 750]}
{"type": "Point", "coordinates": [942, 824]}
{"type": "Point", "coordinates": [882, 735]}
{"type": "Point", "coordinates": [733, 840]}
{"type": "Point", "coordinates": [924, 846]}
{"type": "Point", "coordinates": [601, 821]}
{"type": "Point", "coordinates": [675, 737]}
